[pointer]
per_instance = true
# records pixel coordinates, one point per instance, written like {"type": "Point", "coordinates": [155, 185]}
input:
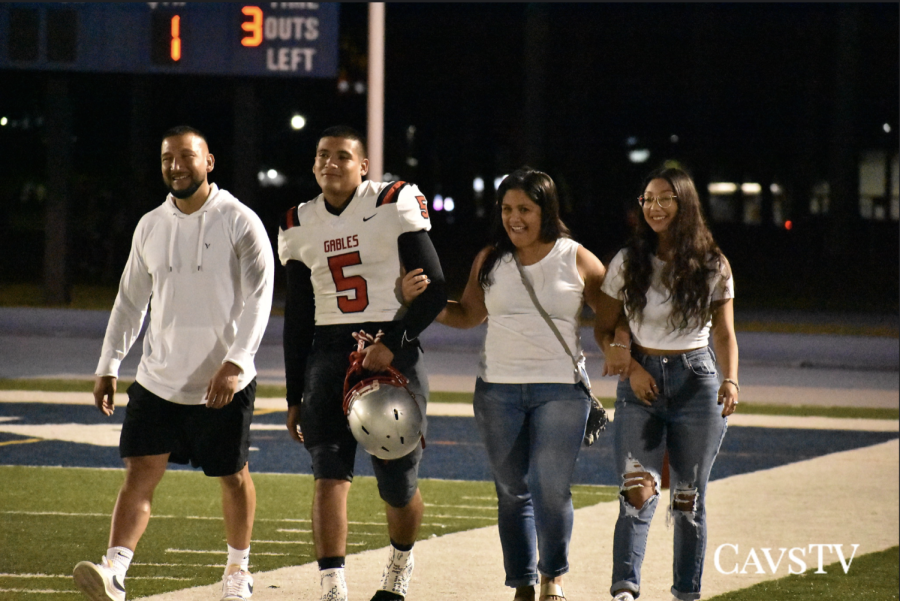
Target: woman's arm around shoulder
{"type": "Point", "coordinates": [470, 310]}
{"type": "Point", "coordinates": [592, 272]}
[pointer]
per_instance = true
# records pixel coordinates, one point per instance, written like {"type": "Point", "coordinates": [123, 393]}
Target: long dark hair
{"type": "Point", "coordinates": [539, 187]}
{"type": "Point", "coordinates": [695, 260]}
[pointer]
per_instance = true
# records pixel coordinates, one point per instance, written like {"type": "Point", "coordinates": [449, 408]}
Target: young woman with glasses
{"type": "Point", "coordinates": [675, 288]}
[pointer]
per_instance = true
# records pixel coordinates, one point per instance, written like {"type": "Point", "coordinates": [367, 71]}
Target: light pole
{"type": "Point", "coordinates": [375, 101]}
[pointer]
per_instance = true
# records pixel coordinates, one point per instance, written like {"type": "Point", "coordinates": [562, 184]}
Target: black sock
{"type": "Point", "coordinates": [387, 596]}
{"type": "Point", "coordinates": [400, 547]}
{"type": "Point", "coordinates": [328, 563]}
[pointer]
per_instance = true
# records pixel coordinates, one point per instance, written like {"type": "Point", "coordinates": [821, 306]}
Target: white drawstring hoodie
{"type": "Point", "coordinates": [208, 279]}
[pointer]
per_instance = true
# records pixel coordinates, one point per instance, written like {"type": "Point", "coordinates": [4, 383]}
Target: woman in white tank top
{"type": "Point", "coordinates": [529, 405]}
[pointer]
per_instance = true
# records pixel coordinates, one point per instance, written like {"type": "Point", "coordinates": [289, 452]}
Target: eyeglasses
{"type": "Point", "coordinates": [664, 202]}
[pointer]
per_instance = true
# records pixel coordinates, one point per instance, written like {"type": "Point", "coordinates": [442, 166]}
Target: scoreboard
{"type": "Point", "coordinates": [288, 39]}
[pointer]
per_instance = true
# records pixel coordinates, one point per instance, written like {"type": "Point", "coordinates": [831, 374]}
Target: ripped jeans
{"type": "Point", "coordinates": [685, 420]}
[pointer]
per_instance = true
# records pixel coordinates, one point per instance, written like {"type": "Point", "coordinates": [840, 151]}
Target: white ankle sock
{"type": "Point", "coordinates": [334, 587]}
{"type": "Point", "coordinates": [238, 557]}
{"type": "Point", "coordinates": [119, 559]}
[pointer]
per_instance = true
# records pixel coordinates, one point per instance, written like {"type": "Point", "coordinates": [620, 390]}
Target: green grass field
{"type": "Point", "coordinates": [52, 518]}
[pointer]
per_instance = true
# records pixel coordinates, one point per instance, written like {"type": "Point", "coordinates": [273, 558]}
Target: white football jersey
{"type": "Point", "coordinates": [353, 257]}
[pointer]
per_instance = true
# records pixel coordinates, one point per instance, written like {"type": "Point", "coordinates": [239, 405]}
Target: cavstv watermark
{"type": "Point", "coordinates": [796, 556]}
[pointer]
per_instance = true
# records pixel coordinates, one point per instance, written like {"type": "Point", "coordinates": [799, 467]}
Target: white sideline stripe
{"type": "Point", "coordinates": [37, 591]}
{"type": "Point", "coordinates": [295, 531]}
{"type": "Point", "coordinates": [218, 552]}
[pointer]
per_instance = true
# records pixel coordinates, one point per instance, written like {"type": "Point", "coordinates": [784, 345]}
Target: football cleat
{"type": "Point", "coordinates": [99, 582]}
{"type": "Point", "coordinates": [237, 586]}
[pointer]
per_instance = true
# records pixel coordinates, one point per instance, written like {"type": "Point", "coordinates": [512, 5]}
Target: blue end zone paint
{"type": "Point", "coordinates": [454, 449]}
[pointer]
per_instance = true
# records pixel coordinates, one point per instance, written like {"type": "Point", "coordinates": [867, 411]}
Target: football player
{"type": "Point", "coordinates": [344, 252]}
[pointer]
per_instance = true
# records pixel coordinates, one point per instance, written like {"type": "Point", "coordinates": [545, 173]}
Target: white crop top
{"type": "Point", "coordinates": [654, 330]}
{"type": "Point", "coordinates": [519, 347]}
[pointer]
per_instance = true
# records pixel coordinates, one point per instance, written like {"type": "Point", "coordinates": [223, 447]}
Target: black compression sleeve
{"type": "Point", "coordinates": [299, 326]}
{"type": "Point", "coordinates": [416, 250]}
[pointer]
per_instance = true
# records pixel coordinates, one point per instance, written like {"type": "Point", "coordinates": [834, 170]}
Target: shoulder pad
{"type": "Point", "coordinates": [290, 219]}
{"type": "Point", "coordinates": [390, 194]}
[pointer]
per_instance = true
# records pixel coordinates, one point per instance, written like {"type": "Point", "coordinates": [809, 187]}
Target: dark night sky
{"type": "Point", "coordinates": [751, 90]}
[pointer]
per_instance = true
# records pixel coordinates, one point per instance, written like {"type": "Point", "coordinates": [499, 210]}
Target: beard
{"type": "Point", "coordinates": [187, 192]}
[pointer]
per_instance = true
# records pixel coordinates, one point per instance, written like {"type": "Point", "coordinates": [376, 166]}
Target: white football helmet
{"type": "Point", "coordinates": [383, 414]}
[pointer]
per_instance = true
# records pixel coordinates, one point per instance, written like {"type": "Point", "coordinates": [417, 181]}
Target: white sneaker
{"type": "Point", "coordinates": [334, 587]}
{"type": "Point", "coordinates": [624, 596]}
{"type": "Point", "coordinates": [398, 572]}
{"type": "Point", "coordinates": [99, 582]}
{"type": "Point", "coordinates": [237, 586]}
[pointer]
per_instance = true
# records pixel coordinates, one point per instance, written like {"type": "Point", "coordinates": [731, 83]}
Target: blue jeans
{"type": "Point", "coordinates": [686, 420]}
{"type": "Point", "coordinates": [532, 433]}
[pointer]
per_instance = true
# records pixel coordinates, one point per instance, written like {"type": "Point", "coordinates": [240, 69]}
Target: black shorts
{"type": "Point", "coordinates": [326, 434]}
{"type": "Point", "coordinates": [218, 440]}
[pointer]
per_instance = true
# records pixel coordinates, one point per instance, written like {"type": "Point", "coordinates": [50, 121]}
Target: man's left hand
{"type": "Point", "coordinates": [377, 357]}
{"type": "Point", "coordinates": [222, 387]}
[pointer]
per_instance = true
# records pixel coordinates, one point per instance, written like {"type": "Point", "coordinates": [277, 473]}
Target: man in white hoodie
{"type": "Point", "coordinates": [207, 263]}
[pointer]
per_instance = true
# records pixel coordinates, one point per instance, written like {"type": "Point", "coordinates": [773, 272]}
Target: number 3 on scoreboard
{"type": "Point", "coordinates": [344, 284]}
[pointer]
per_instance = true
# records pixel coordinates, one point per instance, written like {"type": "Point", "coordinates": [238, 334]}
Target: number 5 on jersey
{"type": "Point", "coordinates": [343, 283]}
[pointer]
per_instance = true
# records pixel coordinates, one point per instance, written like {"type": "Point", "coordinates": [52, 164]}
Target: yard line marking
{"type": "Point", "coordinates": [35, 576]}
{"type": "Point", "coordinates": [106, 515]}
{"type": "Point", "coordinates": [26, 441]}
{"type": "Point", "coordinates": [479, 498]}
{"type": "Point", "coordinates": [174, 565]}
{"type": "Point", "coordinates": [462, 506]}
{"type": "Point", "coordinates": [62, 513]}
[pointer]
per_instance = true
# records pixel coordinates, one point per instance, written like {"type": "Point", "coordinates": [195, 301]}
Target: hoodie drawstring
{"type": "Point", "coordinates": [172, 237]}
{"type": "Point", "coordinates": [200, 238]}
{"type": "Point", "coordinates": [200, 241]}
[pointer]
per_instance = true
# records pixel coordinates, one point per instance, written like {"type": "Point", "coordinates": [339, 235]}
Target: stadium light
{"type": "Point", "coordinates": [478, 185]}
{"type": "Point", "coordinates": [298, 122]}
{"type": "Point", "coordinates": [751, 188]}
{"type": "Point", "coordinates": [639, 155]}
{"type": "Point", "coordinates": [722, 188]}
{"type": "Point", "coordinates": [449, 205]}
{"type": "Point", "coordinates": [438, 203]}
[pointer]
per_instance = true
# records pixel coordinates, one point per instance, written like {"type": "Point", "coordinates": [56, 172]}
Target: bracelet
{"type": "Point", "coordinates": [618, 344]}
{"type": "Point", "coordinates": [730, 381]}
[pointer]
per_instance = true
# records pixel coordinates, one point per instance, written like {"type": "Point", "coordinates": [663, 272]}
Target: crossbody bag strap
{"type": "Point", "coordinates": [543, 313]}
